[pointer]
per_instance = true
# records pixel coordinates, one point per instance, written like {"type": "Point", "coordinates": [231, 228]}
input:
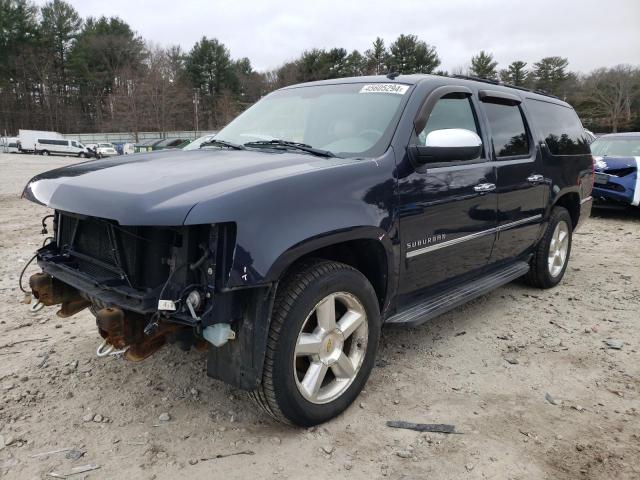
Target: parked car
{"type": "Point", "coordinates": [106, 150]}
{"type": "Point", "coordinates": [56, 146]}
{"type": "Point", "coordinates": [10, 144]}
{"type": "Point", "coordinates": [167, 143]}
{"type": "Point", "coordinates": [146, 145]}
{"type": "Point", "coordinates": [198, 142]}
{"type": "Point", "coordinates": [617, 157]}
{"type": "Point", "coordinates": [319, 214]}
{"type": "Point", "coordinates": [128, 148]}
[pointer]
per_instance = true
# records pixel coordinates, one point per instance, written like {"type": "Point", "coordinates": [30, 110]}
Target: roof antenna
{"type": "Point", "coordinates": [393, 72]}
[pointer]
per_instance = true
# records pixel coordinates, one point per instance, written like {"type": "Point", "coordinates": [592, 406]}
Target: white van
{"type": "Point", "coordinates": [56, 146]}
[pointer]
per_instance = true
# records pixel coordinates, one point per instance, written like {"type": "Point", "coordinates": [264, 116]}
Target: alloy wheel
{"type": "Point", "coordinates": [558, 248]}
{"type": "Point", "coordinates": [330, 348]}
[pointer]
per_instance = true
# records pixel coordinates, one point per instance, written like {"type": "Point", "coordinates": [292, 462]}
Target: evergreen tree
{"type": "Point", "coordinates": [410, 55]}
{"type": "Point", "coordinates": [483, 65]}
{"type": "Point", "coordinates": [515, 73]}
{"type": "Point", "coordinates": [550, 73]}
{"type": "Point", "coordinates": [376, 58]}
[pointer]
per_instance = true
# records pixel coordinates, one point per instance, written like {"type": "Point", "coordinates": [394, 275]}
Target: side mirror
{"type": "Point", "coordinates": [447, 145]}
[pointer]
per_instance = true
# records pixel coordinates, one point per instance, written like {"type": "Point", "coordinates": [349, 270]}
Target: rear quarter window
{"type": "Point", "coordinates": [559, 126]}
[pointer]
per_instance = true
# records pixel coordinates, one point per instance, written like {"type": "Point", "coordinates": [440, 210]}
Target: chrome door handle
{"type": "Point", "coordinates": [485, 187]}
{"type": "Point", "coordinates": [535, 178]}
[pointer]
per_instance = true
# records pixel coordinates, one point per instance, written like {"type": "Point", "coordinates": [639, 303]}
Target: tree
{"type": "Point", "coordinates": [376, 58]}
{"type": "Point", "coordinates": [312, 65]}
{"type": "Point", "coordinates": [549, 74]}
{"type": "Point", "coordinates": [355, 64]}
{"type": "Point", "coordinates": [410, 55]}
{"type": "Point", "coordinates": [59, 27]}
{"type": "Point", "coordinates": [104, 49]}
{"type": "Point", "coordinates": [515, 73]}
{"type": "Point", "coordinates": [209, 66]}
{"type": "Point", "coordinates": [609, 93]}
{"type": "Point", "coordinates": [483, 65]}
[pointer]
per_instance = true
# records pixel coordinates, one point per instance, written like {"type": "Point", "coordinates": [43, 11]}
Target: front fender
{"type": "Point", "coordinates": [327, 239]}
{"type": "Point", "coordinates": [280, 220]}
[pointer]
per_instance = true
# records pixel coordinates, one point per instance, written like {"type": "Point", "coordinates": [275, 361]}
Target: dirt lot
{"type": "Point", "coordinates": [485, 367]}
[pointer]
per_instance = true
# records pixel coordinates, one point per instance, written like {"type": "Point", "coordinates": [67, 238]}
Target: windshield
{"type": "Point", "coordinates": [347, 119]}
{"type": "Point", "coordinates": [616, 147]}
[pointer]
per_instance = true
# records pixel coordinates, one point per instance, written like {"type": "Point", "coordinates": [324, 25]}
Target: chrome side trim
{"type": "Point", "coordinates": [473, 236]}
{"type": "Point", "coordinates": [448, 243]}
{"type": "Point", "coordinates": [507, 226]}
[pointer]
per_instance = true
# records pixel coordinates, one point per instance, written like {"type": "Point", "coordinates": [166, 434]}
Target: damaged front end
{"type": "Point", "coordinates": [145, 285]}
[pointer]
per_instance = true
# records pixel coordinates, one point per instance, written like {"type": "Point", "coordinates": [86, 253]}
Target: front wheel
{"type": "Point", "coordinates": [551, 256]}
{"type": "Point", "coordinates": [322, 343]}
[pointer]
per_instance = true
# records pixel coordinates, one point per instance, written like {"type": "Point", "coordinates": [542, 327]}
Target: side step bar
{"type": "Point", "coordinates": [442, 302]}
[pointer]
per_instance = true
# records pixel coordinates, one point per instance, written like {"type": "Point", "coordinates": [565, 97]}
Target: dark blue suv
{"type": "Point", "coordinates": [322, 212]}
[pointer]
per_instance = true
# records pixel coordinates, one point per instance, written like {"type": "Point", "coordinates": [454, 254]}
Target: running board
{"type": "Point", "coordinates": [438, 304]}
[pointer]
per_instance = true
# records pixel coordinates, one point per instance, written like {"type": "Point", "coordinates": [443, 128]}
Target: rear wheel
{"type": "Point", "coordinates": [322, 343]}
{"type": "Point", "coordinates": [44, 152]}
{"type": "Point", "coordinates": [551, 256]}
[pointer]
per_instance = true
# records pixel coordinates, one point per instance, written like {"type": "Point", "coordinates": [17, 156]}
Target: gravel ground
{"type": "Point", "coordinates": [523, 374]}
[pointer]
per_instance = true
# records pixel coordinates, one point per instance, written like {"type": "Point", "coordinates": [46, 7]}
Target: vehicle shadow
{"type": "Point", "coordinates": [616, 212]}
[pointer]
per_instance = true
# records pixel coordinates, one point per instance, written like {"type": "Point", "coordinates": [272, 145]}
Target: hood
{"type": "Point", "coordinates": [604, 164]}
{"type": "Point", "coordinates": [160, 188]}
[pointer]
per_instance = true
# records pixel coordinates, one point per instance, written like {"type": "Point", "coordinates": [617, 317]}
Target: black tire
{"type": "Point", "coordinates": [298, 294]}
{"type": "Point", "coordinates": [540, 275]}
{"type": "Point", "coordinates": [44, 152]}
{"type": "Point", "coordinates": [82, 155]}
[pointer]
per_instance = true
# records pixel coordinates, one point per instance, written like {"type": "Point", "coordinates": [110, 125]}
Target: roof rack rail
{"type": "Point", "coordinates": [478, 79]}
{"type": "Point", "coordinates": [503, 84]}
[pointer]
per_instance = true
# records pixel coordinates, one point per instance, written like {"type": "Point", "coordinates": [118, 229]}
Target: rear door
{"type": "Point", "coordinates": [447, 211]}
{"type": "Point", "coordinates": [520, 182]}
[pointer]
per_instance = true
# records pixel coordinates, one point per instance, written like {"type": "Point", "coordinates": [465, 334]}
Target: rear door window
{"type": "Point", "coordinates": [508, 131]}
{"type": "Point", "coordinates": [560, 127]}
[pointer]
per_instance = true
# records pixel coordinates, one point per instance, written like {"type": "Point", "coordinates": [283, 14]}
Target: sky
{"type": "Point", "coordinates": [590, 33]}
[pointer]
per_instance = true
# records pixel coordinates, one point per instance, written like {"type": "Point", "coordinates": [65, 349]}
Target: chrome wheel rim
{"type": "Point", "coordinates": [558, 248]}
{"type": "Point", "coordinates": [330, 348]}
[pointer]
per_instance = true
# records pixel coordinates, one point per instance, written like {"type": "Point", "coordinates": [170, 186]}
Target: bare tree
{"type": "Point", "coordinates": [609, 92]}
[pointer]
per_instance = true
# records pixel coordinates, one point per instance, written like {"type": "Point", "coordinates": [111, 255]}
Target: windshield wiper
{"type": "Point", "coordinates": [287, 145]}
{"type": "Point", "coordinates": [222, 143]}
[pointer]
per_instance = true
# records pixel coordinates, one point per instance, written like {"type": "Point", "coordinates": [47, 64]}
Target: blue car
{"type": "Point", "coordinates": [617, 165]}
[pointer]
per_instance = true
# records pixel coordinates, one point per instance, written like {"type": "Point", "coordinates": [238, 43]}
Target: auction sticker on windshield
{"type": "Point", "coordinates": [385, 88]}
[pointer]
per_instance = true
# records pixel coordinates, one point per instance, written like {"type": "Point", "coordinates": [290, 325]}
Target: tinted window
{"type": "Point", "coordinates": [507, 130]}
{"type": "Point", "coordinates": [560, 127]}
{"type": "Point", "coordinates": [74, 144]}
{"type": "Point", "coordinates": [451, 111]}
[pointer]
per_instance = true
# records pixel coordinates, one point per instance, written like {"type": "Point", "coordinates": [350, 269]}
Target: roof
{"type": "Point", "coordinates": [414, 79]}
